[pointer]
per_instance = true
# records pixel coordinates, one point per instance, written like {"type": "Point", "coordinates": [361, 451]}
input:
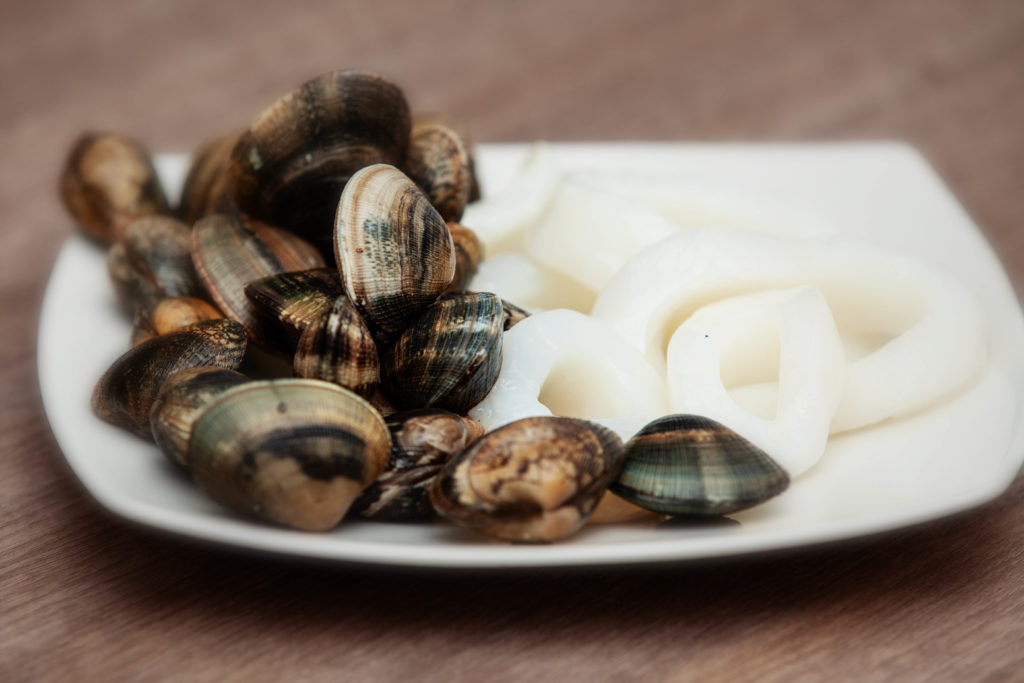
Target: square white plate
{"type": "Point", "coordinates": [955, 456]}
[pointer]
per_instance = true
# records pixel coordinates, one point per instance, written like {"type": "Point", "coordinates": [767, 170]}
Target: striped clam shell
{"type": "Point", "coordinates": [438, 162]}
{"type": "Point", "coordinates": [290, 166]}
{"type": "Point", "coordinates": [692, 465]}
{"type": "Point", "coordinates": [394, 250]}
{"type": "Point", "coordinates": [206, 186]}
{"type": "Point", "coordinates": [469, 252]}
{"type": "Point", "coordinates": [125, 393]}
{"type": "Point", "coordinates": [536, 479]}
{"type": "Point", "coordinates": [293, 451]}
{"type": "Point", "coordinates": [339, 348]}
{"type": "Point", "coordinates": [231, 251]}
{"type": "Point", "coordinates": [449, 357]}
{"type": "Point", "coordinates": [296, 299]}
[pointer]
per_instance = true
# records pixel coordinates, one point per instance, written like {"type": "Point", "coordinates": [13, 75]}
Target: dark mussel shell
{"type": "Point", "coordinates": [290, 166]}
{"type": "Point", "coordinates": [449, 357]}
{"type": "Point", "coordinates": [692, 465]}
{"type": "Point", "coordinates": [125, 393]}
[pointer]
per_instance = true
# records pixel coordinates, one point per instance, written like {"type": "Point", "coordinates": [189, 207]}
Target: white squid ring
{"type": "Point", "coordinates": [580, 367]}
{"type": "Point", "coordinates": [811, 370]}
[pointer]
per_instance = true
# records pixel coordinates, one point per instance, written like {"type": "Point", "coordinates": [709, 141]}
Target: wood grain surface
{"type": "Point", "coordinates": [84, 596]}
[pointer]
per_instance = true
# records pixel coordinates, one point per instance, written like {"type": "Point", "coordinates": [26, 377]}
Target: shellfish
{"type": "Point", "coordinates": [537, 479]}
{"type": "Point", "coordinates": [449, 357]}
{"type": "Point", "coordinates": [295, 452]}
{"type": "Point", "coordinates": [339, 348]}
{"type": "Point", "coordinates": [394, 250]}
{"type": "Point", "coordinates": [691, 465]}
{"type": "Point", "coordinates": [125, 393]}
{"type": "Point", "coordinates": [290, 166]}
{"type": "Point", "coordinates": [296, 299]}
{"type": "Point", "coordinates": [438, 162]}
{"type": "Point", "coordinates": [206, 185]}
{"type": "Point", "coordinates": [107, 181]}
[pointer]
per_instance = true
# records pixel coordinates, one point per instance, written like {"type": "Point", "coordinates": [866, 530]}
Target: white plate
{"type": "Point", "coordinates": [955, 456]}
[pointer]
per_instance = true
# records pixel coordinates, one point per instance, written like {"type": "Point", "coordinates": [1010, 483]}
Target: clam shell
{"type": "Point", "coordinates": [339, 348]}
{"type": "Point", "coordinates": [296, 452]}
{"type": "Point", "coordinates": [180, 401]}
{"type": "Point", "coordinates": [427, 436]}
{"type": "Point", "coordinates": [449, 357]}
{"type": "Point", "coordinates": [536, 479]}
{"type": "Point", "coordinates": [400, 496]}
{"type": "Point", "coordinates": [232, 251]}
{"type": "Point", "coordinates": [469, 252]}
{"type": "Point", "coordinates": [125, 393]}
{"type": "Point", "coordinates": [290, 166]}
{"type": "Point", "coordinates": [687, 464]}
{"type": "Point", "coordinates": [395, 251]}
{"type": "Point", "coordinates": [206, 186]}
{"type": "Point", "coordinates": [438, 162]}
{"type": "Point", "coordinates": [512, 314]}
{"type": "Point", "coordinates": [298, 298]}
{"type": "Point", "coordinates": [153, 261]}
{"type": "Point", "coordinates": [108, 180]}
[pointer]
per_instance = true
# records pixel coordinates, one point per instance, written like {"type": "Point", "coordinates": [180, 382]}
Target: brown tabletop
{"type": "Point", "coordinates": [84, 596]}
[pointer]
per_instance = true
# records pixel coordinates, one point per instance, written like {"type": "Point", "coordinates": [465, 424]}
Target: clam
{"type": "Point", "coordinates": [536, 479]}
{"type": "Point", "coordinates": [125, 393]}
{"type": "Point", "coordinates": [512, 314]}
{"type": "Point", "coordinates": [438, 162]}
{"type": "Point", "coordinates": [290, 166]}
{"type": "Point", "coordinates": [295, 452]}
{"type": "Point", "coordinates": [421, 442]}
{"type": "Point", "coordinates": [468, 254]}
{"type": "Point", "coordinates": [152, 261]}
{"type": "Point", "coordinates": [394, 249]}
{"type": "Point", "coordinates": [232, 251]}
{"type": "Point", "coordinates": [180, 401]}
{"type": "Point", "coordinates": [206, 185]}
{"type": "Point", "coordinates": [171, 315]}
{"type": "Point", "coordinates": [691, 465]}
{"type": "Point", "coordinates": [296, 299]}
{"type": "Point", "coordinates": [449, 357]}
{"type": "Point", "coordinates": [107, 181]}
{"type": "Point", "coordinates": [339, 348]}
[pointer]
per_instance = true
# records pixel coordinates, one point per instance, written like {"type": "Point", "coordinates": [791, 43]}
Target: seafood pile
{"type": "Point", "coordinates": [317, 335]}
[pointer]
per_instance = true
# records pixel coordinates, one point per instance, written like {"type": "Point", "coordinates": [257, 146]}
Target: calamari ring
{"type": "Point", "coordinates": [924, 329]}
{"type": "Point", "coordinates": [566, 363]}
{"type": "Point", "coordinates": [811, 369]}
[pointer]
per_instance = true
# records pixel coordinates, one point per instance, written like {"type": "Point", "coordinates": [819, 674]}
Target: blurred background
{"type": "Point", "coordinates": [944, 75]}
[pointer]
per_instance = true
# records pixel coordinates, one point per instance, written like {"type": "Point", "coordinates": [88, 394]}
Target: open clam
{"type": "Point", "coordinates": [395, 251]}
{"type": "Point", "coordinates": [691, 465]}
{"type": "Point", "coordinates": [290, 166]}
{"type": "Point", "coordinates": [295, 452]}
{"type": "Point", "coordinates": [537, 479]}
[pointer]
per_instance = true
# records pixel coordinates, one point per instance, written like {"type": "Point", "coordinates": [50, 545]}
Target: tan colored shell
{"type": "Point", "coordinates": [152, 261]}
{"type": "Point", "coordinates": [469, 252]}
{"type": "Point", "coordinates": [295, 452]}
{"type": "Point", "coordinates": [108, 180]}
{"type": "Point", "coordinates": [206, 185]}
{"type": "Point", "coordinates": [536, 479]}
{"type": "Point", "coordinates": [290, 166]}
{"type": "Point", "coordinates": [125, 393]}
{"type": "Point", "coordinates": [180, 402]}
{"type": "Point", "coordinates": [339, 348]}
{"type": "Point", "coordinates": [171, 315]}
{"type": "Point", "coordinates": [438, 162]}
{"type": "Point", "coordinates": [232, 251]}
{"type": "Point", "coordinates": [395, 251]}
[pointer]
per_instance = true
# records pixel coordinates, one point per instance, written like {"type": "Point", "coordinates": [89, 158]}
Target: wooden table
{"type": "Point", "coordinates": [84, 596]}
